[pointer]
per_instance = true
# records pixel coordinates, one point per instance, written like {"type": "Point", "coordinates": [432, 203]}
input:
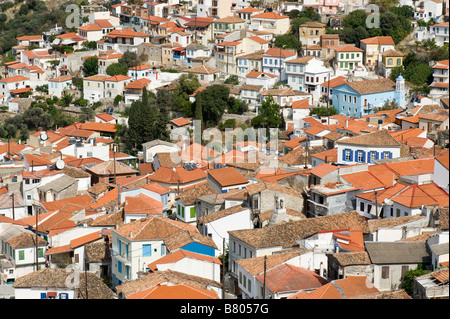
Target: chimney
{"type": "Point", "coordinates": [380, 122]}
{"type": "Point", "coordinates": [279, 211]}
{"type": "Point", "coordinates": [346, 123]}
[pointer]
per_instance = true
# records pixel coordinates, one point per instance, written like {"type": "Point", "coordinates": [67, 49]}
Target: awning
{"type": "Point", "coordinates": [51, 294]}
{"type": "Point", "coordinates": [179, 49]}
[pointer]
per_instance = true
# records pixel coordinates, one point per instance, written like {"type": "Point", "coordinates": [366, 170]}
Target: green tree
{"type": "Point", "coordinates": [187, 84]}
{"type": "Point", "coordinates": [116, 69]}
{"type": "Point", "coordinates": [214, 101]}
{"type": "Point", "coordinates": [24, 133]}
{"type": "Point", "coordinates": [324, 111]}
{"type": "Point", "coordinates": [288, 41]}
{"type": "Point", "coordinates": [419, 74]}
{"type": "Point", "coordinates": [129, 59]}
{"type": "Point", "coordinates": [90, 66]}
{"type": "Point", "coordinates": [232, 79]}
{"type": "Point", "coordinates": [66, 100]}
{"type": "Point", "coordinates": [355, 19]}
{"type": "Point", "coordinates": [270, 115]}
{"type": "Point", "coordinates": [407, 283]}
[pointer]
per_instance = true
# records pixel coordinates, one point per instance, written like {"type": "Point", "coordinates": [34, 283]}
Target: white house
{"type": "Point", "coordinates": [266, 80]}
{"type": "Point", "coordinates": [367, 148]}
{"type": "Point", "coordinates": [274, 62]}
{"type": "Point", "coordinates": [189, 263]}
{"type": "Point", "coordinates": [93, 87]}
{"type": "Point", "coordinates": [10, 86]}
{"type": "Point", "coordinates": [432, 10]}
{"type": "Point", "coordinates": [216, 225]}
{"type": "Point", "coordinates": [18, 245]}
{"type": "Point", "coordinates": [441, 175]}
{"type": "Point", "coordinates": [306, 74]}
{"type": "Point", "coordinates": [57, 85]}
{"type": "Point", "coordinates": [139, 243]}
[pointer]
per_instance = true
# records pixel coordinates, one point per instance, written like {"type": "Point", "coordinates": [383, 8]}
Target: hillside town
{"type": "Point", "coordinates": [212, 149]}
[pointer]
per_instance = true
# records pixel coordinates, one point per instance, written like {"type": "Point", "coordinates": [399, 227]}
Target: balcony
{"type": "Point", "coordinates": [368, 106]}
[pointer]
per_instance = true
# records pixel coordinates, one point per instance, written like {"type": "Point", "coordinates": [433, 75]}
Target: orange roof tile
{"type": "Point", "coordinates": [363, 180]}
{"type": "Point", "coordinates": [143, 204]}
{"type": "Point", "coordinates": [340, 289]}
{"type": "Point", "coordinates": [323, 169]}
{"type": "Point", "coordinates": [227, 176]}
{"type": "Point", "coordinates": [179, 255]}
{"type": "Point", "coordinates": [174, 292]}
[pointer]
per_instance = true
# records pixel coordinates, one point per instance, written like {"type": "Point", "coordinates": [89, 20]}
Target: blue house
{"type": "Point", "coordinates": [359, 98]}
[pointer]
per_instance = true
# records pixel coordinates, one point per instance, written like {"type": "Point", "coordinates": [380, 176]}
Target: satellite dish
{"type": "Point", "coordinates": [60, 164]}
{"type": "Point", "coordinates": [387, 201]}
{"type": "Point", "coordinates": [43, 136]}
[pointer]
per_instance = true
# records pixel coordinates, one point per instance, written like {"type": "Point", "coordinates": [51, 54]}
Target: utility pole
{"type": "Point", "coordinates": [114, 152]}
{"type": "Point", "coordinates": [264, 281]}
{"type": "Point", "coordinates": [376, 204]}
{"type": "Point", "coordinates": [85, 276]}
{"type": "Point", "coordinates": [13, 215]}
{"type": "Point", "coordinates": [37, 240]}
{"type": "Point", "coordinates": [223, 269]}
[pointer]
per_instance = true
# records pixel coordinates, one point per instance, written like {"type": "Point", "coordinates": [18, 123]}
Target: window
{"type": "Point", "coordinates": [404, 270]}
{"type": "Point", "coordinates": [361, 206]}
{"type": "Point", "coordinates": [192, 211]}
{"type": "Point", "coordinates": [397, 214]}
{"type": "Point", "coordinates": [21, 254]}
{"type": "Point", "coordinates": [386, 154]}
{"type": "Point", "coordinates": [249, 286]}
{"type": "Point", "coordinates": [41, 252]}
{"type": "Point", "coordinates": [146, 250]}
{"type": "Point", "coordinates": [240, 277]}
{"type": "Point", "coordinates": [119, 266]}
{"type": "Point", "coordinates": [390, 61]}
{"type": "Point", "coordinates": [385, 272]}
{"type": "Point", "coordinates": [360, 156]}
{"type": "Point", "coordinates": [348, 155]}
{"type": "Point", "coordinates": [373, 156]}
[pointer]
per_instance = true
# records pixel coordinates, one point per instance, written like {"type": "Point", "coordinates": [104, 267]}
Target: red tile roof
{"type": "Point", "coordinates": [174, 292]}
{"type": "Point", "coordinates": [227, 176]}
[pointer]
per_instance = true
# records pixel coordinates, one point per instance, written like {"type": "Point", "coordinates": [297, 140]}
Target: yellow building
{"type": "Point", "coordinates": [389, 60]}
{"type": "Point", "coordinates": [310, 33]}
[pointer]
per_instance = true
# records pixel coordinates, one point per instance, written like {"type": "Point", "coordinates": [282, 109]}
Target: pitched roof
{"type": "Point", "coordinates": [180, 291]}
{"type": "Point", "coordinates": [179, 255]}
{"type": "Point", "coordinates": [349, 287]}
{"type": "Point", "coordinates": [178, 174]}
{"type": "Point", "coordinates": [399, 252]}
{"type": "Point", "coordinates": [372, 86]}
{"type": "Point", "coordinates": [270, 15]}
{"type": "Point", "coordinates": [167, 276]}
{"type": "Point", "coordinates": [227, 176]}
{"type": "Point", "coordinates": [348, 48]}
{"type": "Point", "coordinates": [57, 277]}
{"type": "Point", "coordinates": [382, 40]}
{"type": "Point", "coordinates": [202, 69]}
{"type": "Point", "coordinates": [323, 169]}
{"type": "Point", "coordinates": [142, 204]}
{"type": "Point", "coordinates": [378, 138]}
{"type": "Point", "coordinates": [230, 19]}
{"type": "Point", "coordinates": [287, 277]}
{"type": "Point", "coordinates": [277, 52]}
{"type": "Point", "coordinates": [286, 234]}
{"type": "Point", "coordinates": [111, 167]}
{"type": "Point", "coordinates": [189, 196]}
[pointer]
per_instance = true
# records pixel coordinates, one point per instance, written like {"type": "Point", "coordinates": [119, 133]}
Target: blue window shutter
{"type": "Point", "coordinates": [146, 250]}
{"type": "Point", "coordinates": [363, 157]}
{"type": "Point", "coordinates": [390, 154]}
{"type": "Point", "coordinates": [351, 155]}
{"type": "Point", "coordinates": [343, 154]}
{"type": "Point", "coordinates": [119, 266]}
{"type": "Point", "coordinates": [382, 155]}
{"type": "Point", "coordinates": [43, 295]}
{"type": "Point", "coordinates": [377, 155]}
